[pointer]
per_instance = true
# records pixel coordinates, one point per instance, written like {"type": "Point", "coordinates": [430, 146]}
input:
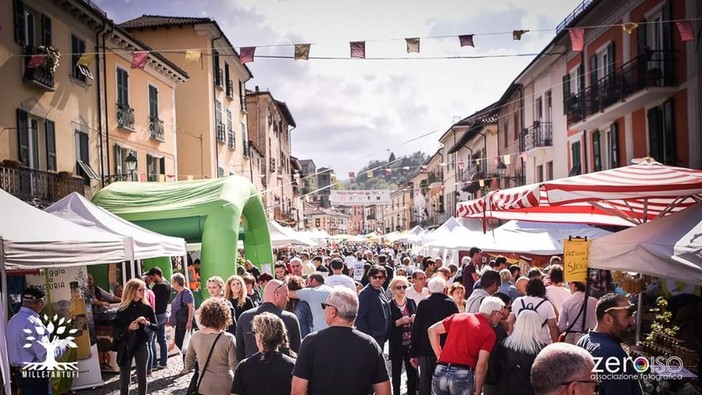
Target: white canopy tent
{"type": "Point", "coordinates": [33, 239]}
{"type": "Point", "coordinates": [667, 247]}
{"type": "Point", "coordinates": [414, 235]}
{"type": "Point", "coordinates": [282, 236]}
{"type": "Point", "coordinates": [146, 244]}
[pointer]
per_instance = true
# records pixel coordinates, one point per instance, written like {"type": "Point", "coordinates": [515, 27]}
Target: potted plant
{"type": "Point", "coordinates": [52, 57]}
{"type": "Point", "coordinates": [11, 163]}
{"type": "Point", "coordinates": [65, 174]}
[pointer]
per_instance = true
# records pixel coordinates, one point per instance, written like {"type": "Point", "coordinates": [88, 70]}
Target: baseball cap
{"type": "Point", "coordinates": [33, 293]}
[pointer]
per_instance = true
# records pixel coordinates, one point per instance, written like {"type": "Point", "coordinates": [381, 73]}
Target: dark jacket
{"type": "Point", "coordinates": [373, 313]}
{"type": "Point", "coordinates": [125, 340]}
{"type": "Point", "coordinates": [395, 344]}
{"type": "Point", "coordinates": [431, 310]}
{"type": "Point", "coordinates": [511, 370]}
{"type": "Point", "coordinates": [245, 339]}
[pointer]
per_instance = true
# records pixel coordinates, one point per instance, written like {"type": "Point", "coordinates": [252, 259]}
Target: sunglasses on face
{"type": "Point", "coordinates": [378, 277]}
{"type": "Point", "coordinates": [399, 287]}
{"type": "Point", "coordinates": [325, 305]}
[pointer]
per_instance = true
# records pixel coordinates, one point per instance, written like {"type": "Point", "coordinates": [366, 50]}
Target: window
{"type": "Point", "coordinates": [549, 171]}
{"type": "Point", "coordinates": [218, 112]}
{"type": "Point", "coordinates": [540, 173]}
{"type": "Point", "coordinates": [596, 151]}
{"type": "Point", "coordinates": [576, 169]}
{"type": "Point", "coordinates": [549, 106]}
{"type": "Point", "coordinates": [217, 71]}
{"type": "Point", "coordinates": [661, 134]}
{"type": "Point", "coordinates": [32, 28]}
{"type": "Point", "coordinates": [50, 138]}
{"type": "Point", "coordinates": [155, 168]}
{"type": "Point", "coordinates": [227, 80]}
{"type": "Point", "coordinates": [515, 121]}
{"type": "Point", "coordinates": [122, 87]}
{"type": "Point", "coordinates": [153, 102]}
{"type": "Point", "coordinates": [77, 49]}
{"type": "Point", "coordinates": [538, 109]}
{"type": "Point", "coordinates": [83, 157]}
{"type": "Point", "coordinates": [242, 96]}
{"type": "Point", "coordinates": [613, 140]}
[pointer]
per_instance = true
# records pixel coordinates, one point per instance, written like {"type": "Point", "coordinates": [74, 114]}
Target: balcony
{"type": "Point", "coordinates": [38, 186]}
{"type": "Point", "coordinates": [41, 76]}
{"type": "Point", "coordinates": [284, 216]}
{"type": "Point", "coordinates": [220, 135]}
{"type": "Point", "coordinates": [230, 140]}
{"type": "Point", "coordinates": [230, 89]}
{"type": "Point", "coordinates": [125, 116]}
{"type": "Point", "coordinates": [219, 78]}
{"type": "Point", "coordinates": [539, 134]}
{"type": "Point", "coordinates": [156, 129]}
{"type": "Point", "coordinates": [646, 78]}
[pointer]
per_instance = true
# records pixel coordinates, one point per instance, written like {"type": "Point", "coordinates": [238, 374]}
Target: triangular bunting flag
{"type": "Point", "coordinates": [423, 169]}
{"type": "Point", "coordinates": [412, 44]}
{"type": "Point", "coordinates": [352, 175]}
{"type": "Point", "coordinates": [193, 55]}
{"type": "Point", "coordinates": [525, 156]}
{"type": "Point", "coordinates": [85, 71]}
{"type": "Point", "coordinates": [139, 59]}
{"type": "Point", "coordinates": [461, 165]}
{"type": "Point", "coordinates": [388, 172]}
{"type": "Point", "coordinates": [577, 39]}
{"type": "Point", "coordinates": [466, 40]}
{"type": "Point", "coordinates": [358, 49]}
{"type": "Point", "coordinates": [370, 174]}
{"type": "Point", "coordinates": [86, 59]}
{"type": "Point", "coordinates": [685, 30]}
{"type": "Point", "coordinates": [517, 34]}
{"type": "Point", "coordinates": [629, 27]}
{"type": "Point", "coordinates": [507, 159]}
{"type": "Point", "coordinates": [246, 54]}
{"type": "Point", "coordinates": [36, 61]}
{"type": "Point", "coordinates": [302, 51]}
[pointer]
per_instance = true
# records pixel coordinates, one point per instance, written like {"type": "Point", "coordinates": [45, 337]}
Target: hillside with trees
{"type": "Point", "coordinates": [403, 169]}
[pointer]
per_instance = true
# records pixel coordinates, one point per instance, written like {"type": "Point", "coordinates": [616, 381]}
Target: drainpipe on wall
{"type": "Point", "coordinates": [214, 103]}
{"type": "Point", "coordinates": [103, 63]}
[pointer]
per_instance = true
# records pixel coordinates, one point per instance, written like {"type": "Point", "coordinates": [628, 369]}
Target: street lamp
{"type": "Point", "coordinates": [501, 168]}
{"type": "Point", "coordinates": [131, 162]}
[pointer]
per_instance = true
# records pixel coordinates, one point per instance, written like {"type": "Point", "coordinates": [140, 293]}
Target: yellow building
{"type": "Point", "coordinates": [211, 106]}
{"type": "Point", "coordinates": [49, 108]}
{"type": "Point", "coordinates": [141, 112]}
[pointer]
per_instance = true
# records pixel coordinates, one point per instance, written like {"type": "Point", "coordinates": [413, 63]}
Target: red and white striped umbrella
{"type": "Point", "coordinates": [637, 193]}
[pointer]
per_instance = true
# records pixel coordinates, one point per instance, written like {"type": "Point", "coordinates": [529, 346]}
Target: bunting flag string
{"type": "Point", "coordinates": [302, 51]}
{"type": "Point", "coordinates": [139, 59]}
{"type": "Point", "coordinates": [358, 49]}
{"type": "Point", "coordinates": [246, 54]}
{"type": "Point", "coordinates": [412, 45]}
{"type": "Point", "coordinates": [577, 39]}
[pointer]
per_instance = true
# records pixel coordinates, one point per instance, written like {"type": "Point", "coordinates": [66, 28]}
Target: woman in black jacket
{"type": "Point", "coordinates": [511, 360]}
{"type": "Point", "coordinates": [403, 310]}
{"type": "Point", "coordinates": [134, 315]}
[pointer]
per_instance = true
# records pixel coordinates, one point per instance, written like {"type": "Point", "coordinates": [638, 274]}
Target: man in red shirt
{"type": "Point", "coordinates": [463, 361]}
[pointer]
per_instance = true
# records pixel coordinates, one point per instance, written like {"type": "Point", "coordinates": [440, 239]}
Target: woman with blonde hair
{"type": "Point", "coordinates": [511, 360]}
{"type": "Point", "coordinates": [235, 293]}
{"type": "Point", "coordinates": [215, 287]}
{"type": "Point", "coordinates": [402, 310]}
{"type": "Point", "coordinates": [457, 292]}
{"type": "Point", "coordinates": [269, 371]}
{"type": "Point", "coordinates": [134, 315]}
{"type": "Point", "coordinates": [212, 350]}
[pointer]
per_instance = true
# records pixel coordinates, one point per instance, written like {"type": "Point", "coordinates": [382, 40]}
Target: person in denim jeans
{"type": "Point", "coordinates": [162, 291]}
{"type": "Point", "coordinates": [462, 362]}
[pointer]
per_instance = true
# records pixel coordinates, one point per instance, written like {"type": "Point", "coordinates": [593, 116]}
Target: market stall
{"type": "Point", "coordinates": [33, 239]}
{"type": "Point", "coordinates": [282, 236]}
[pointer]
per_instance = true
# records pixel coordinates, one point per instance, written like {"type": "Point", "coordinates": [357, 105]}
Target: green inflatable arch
{"type": "Point", "coordinates": [207, 212]}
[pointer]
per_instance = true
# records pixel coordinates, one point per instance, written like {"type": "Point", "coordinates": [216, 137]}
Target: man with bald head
{"type": "Point", "coordinates": [275, 296]}
{"type": "Point", "coordinates": [562, 368]}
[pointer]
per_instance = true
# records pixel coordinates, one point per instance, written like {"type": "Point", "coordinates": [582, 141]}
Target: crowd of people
{"type": "Point", "coordinates": [351, 319]}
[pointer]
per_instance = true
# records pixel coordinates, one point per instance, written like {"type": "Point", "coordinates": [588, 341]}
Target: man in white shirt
{"type": "Point", "coordinates": [557, 292]}
{"type": "Point", "coordinates": [308, 266]}
{"type": "Point", "coordinates": [337, 278]}
{"type": "Point", "coordinates": [418, 290]}
{"type": "Point", "coordinates": [571, 316]}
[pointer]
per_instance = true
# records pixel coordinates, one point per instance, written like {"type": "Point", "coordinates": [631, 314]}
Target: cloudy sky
{"type": "Point", "coordinates": [351, 111]}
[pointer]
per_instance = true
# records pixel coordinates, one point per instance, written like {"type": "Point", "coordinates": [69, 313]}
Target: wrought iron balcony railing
{"type": "Point", "coordinates": [231, 143]}
{"type": "Point", "coordinates": [38, 186]}
{"type": "Point", "coordinates": [230, 89]}
{"type": "Point", "coordinates": [221, 136]}
{"type": "Point", "coordinates": [41, 75]}
{"type": "Point", "coordinates": [156, 129]}
{"type": "Point", "coordinates": [650, 69]}
{"type": "Point", "coordinates": [219, 78]}
{"type": "Point", "coordinates": [539, 134]}
{"type": "Point", "coordinates": [125, 116]}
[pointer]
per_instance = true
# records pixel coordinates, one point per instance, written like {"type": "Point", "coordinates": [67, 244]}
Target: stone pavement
{"type": "Point", "coordinates": [166, 381]}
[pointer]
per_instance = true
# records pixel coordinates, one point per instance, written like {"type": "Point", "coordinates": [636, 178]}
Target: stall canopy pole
{"type": "Point", "coordinates": [639, 310]}
{"type": "Point", "coordinates": [4, 357]}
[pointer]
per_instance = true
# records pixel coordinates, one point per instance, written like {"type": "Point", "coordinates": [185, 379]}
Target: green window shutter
{"type": "Point", "coordinates": [23, 137]}
{"type": "Point", "coordinates": [50, 129]}
{"type": "Point", "coordinates": [669, 133]}
{"type": "Point", "coordinates": [45, 30]}
{"type": "Point", "coordinates": [20, 27]}
{"type": "Point", "coordinates": [566, 92]}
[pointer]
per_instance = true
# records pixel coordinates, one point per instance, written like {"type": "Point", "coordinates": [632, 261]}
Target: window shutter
{"type": "Point", "coordinates": [84, 153]}
{"type": "Point", "coordinates": [593, 70]}
{"type": "Point", "coordinates": [162, 166]}
{"type": "Point", "coordinates": [153, 102]}
{"type": "Point", "coordinates": [566, 92]}
{"type": "Point", "coordinates": [614, 145]}
{"type": "Point", "coordinates": [666, 16]}
{"type": "Point", "coordinates": [50, 129]}
{"type": "Point", "coordinates": [34, 135]}
{"type": "Point", "coordinates": [45, 30]}
{"type": "Point", "coordinates": [118, 160]}
{"type": "Point", "coordinates": [669, 133]}
{"type": "Point", "coordinates": [611, 57]}
{"type": "Point", "coordinates": [641, 37]}
{"type": "Point", "coordinates": [20, 36]}
{"type": "Point", "coordinates": [581, 77]}
{"type": "Point", "coordinates": [23, 137]}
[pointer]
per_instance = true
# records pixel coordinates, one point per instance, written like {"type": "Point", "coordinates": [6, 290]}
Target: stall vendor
{"type": "Point", "coordinates": [98, 296]}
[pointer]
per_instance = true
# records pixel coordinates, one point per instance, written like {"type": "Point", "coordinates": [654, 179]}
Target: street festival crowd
{"type": "Point", "coordinates": [348, 319]}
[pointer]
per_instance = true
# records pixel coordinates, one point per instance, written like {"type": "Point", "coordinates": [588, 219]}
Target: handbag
{"type": "Point", "coordinates": [197, 377]}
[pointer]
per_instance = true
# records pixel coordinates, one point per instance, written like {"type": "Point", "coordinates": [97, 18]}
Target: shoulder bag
{"type": "Point", "coordinates": [562, 336]}
{"type": "Point", "coordinates": [197, 377]}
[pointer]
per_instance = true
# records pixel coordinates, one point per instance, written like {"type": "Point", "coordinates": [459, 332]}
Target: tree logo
{"type": "Point", "coordinates": [57, 333]}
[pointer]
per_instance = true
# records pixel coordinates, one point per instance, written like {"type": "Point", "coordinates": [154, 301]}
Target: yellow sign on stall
{"type": "Point", "coordinates": [575, 258]}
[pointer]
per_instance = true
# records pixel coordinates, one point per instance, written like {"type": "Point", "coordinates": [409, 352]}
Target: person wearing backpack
{"type": "Point", "coordinates": [535, 300]}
